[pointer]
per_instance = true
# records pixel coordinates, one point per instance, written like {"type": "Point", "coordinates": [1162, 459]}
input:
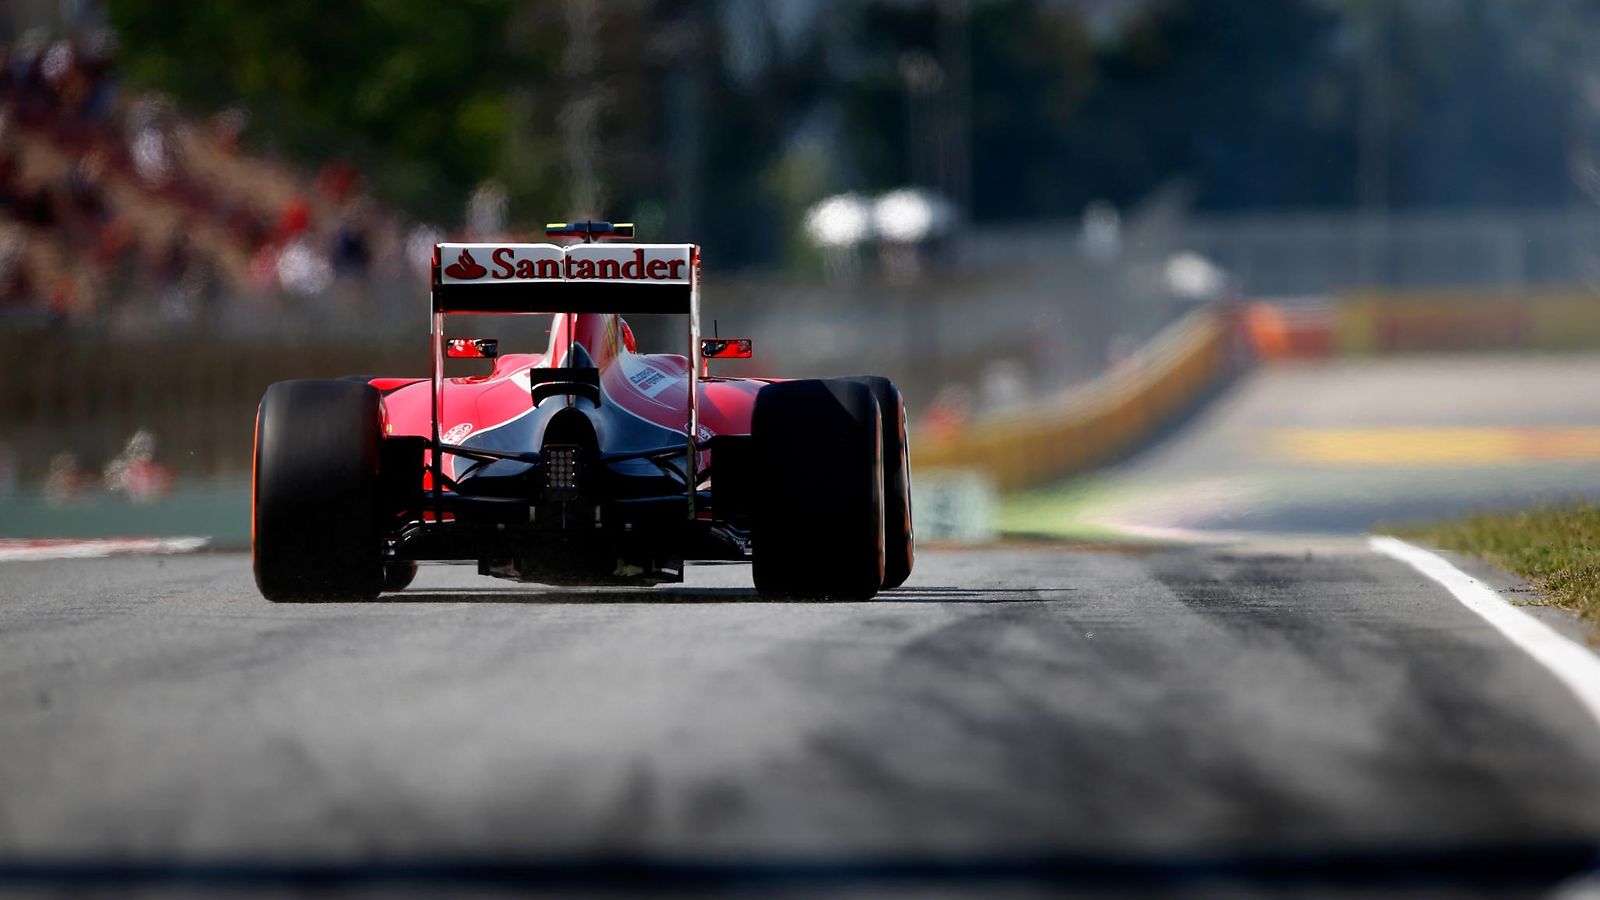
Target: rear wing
{"type": "Point", "coordinates": [522, 279]}
{"type": "Point", "coordinates": [545, 278]}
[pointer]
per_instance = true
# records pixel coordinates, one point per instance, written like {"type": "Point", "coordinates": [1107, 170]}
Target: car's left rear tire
{"type": "Point", "coordinates": [397, 576]}
{"type": "Point", "coordinates": [316, 506]}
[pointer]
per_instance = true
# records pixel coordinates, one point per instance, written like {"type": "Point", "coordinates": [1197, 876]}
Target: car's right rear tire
{"type": "Point", "coordinates": [899, 537]}
{"type": "Point", "coordinates": [817, 501]}
{"type": "Point", "coordinates": [316, 528]}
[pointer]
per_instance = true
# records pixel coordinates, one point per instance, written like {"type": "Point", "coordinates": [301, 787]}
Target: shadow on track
{"type": "Point", "coordinates": [535, 594]}
{"type": "Point", "coordinates": [1474, 869]}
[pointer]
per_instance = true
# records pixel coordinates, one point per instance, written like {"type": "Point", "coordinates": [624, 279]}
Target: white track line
{"type": "Point", "coordinates": [1572, 664]}
{"type": "Point", "coordinates": [14, 550]}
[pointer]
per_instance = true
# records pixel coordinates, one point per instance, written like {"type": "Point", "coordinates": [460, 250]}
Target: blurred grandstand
{"type": "Point", "coordinates": [117, 212]}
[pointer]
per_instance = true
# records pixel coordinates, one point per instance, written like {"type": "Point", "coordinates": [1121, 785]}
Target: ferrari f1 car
{"type": "Point", "coordinates": [590, 463]}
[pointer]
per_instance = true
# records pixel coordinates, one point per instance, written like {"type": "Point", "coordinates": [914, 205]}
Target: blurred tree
{"type": "Point", "coordinates": [1330, 103]}
{"type": "Point", "coordinates": [1248, 100]}
{"type": "Point", "coordinates": [415, 91]}
{"type": "Point", "coordinates": [431, 99]}
{"type": "Point", "coordinates": [1031, 65]}
{"type": "Point", "coordinates": [1481, 121]}
{"type": "Point", "coordinates": [684, 136]}
{"type": "Point", "coordinates": [724, 120]}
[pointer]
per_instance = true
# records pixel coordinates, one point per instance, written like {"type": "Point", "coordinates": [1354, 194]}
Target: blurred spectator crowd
{"type": "Point", "coordinates": [118, 212]}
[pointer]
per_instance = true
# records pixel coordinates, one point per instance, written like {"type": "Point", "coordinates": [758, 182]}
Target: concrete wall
{"type": "Point", "coordinates": [1427, 321]}
{"type": "Point", "coordinates": [1096, 422]}
{"type": "Point", "coordinates": [71, 393]}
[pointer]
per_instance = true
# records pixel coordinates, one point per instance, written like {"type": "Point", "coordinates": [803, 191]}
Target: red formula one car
{"type": "Point", "coordinates": [589, 463]}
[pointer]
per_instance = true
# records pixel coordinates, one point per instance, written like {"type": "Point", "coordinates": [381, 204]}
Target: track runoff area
{"type": "Point", "coordinates": [1286, 709]}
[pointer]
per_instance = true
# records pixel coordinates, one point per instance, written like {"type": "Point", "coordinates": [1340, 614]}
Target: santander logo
{"type": "Point", "coordinates": [465, 267]}
{"type": "Point", "coordinates": [660, 263]}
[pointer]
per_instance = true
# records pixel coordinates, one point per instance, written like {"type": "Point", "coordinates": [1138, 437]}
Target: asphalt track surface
{"type": "Point", "coordinates": [1165, 702]}
{"type": "Point", "coordinates": [1280, 714]}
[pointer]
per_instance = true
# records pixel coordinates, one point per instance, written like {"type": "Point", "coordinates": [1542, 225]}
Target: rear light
{"type": "Point", "coordinates": [472, 348]}
{"type": "Point", "coordinates": [561, 471]}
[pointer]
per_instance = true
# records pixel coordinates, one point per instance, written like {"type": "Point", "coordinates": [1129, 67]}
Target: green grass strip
{"type": "Point", "coordinates": [1556, 548]}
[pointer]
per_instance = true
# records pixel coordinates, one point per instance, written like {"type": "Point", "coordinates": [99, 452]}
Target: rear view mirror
{"type": "Point", "coordinates": [472, 348]}
{"type": "Point", "coordinates": [726, 348]}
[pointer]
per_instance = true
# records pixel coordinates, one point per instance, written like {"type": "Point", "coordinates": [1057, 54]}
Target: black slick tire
{"type": "Point", "coordinates": [899, 537]}
{"type": "Point", "coordinates": [316, 530]}
{"type": "Point", "coordinates": [817, 501]}
{"type": "Point", "coordinates": [397, 576]}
